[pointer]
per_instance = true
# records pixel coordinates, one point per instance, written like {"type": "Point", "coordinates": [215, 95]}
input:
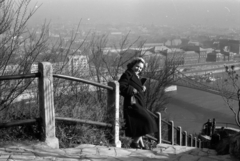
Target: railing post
{"type": "Point", "coordinates": [186, 138]}
{"type": "Point", "coordinates": [171, 133]}
{"type": "Point", "coordinates": [179, 136]}
{"type": "Point", "coordinates": [113, 103]}
{"type": "Point", "coordinates": [159, 128]}
{"type": "Point", "coordinates": [199, 143]}
{"type": "Point", "coordinates": [46, 104]}
{"type": "Point", "coordinates": [184, 142]}
{"type": "Point", "coordinates": [195, 138]}
{"type": "Point", "coordinates": [191, 140]}
{"type": "Point", "coordinates": [193, 145]}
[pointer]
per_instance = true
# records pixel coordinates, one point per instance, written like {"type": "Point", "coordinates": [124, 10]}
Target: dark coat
{"type": "Point", "coordinates": [138, 120]}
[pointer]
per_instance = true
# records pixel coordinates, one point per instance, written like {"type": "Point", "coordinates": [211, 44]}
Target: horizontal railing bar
{"type": "Point", "coordinates": [18, 123]}
{"type": "Point", "coordinates": [72, 120]}
{"type": "Point", "coordinates": [165, 141]}
{"type": "Point", "coordinates": [154, 115]}
{"type": "Point", "coordinates": [151, 137]}
{"type": "Point", "coordinates": [166, 122]}
{"type": "Point", "coordinates": [82, 80]}
{"type": "Point", "coordinates": [21, 76]}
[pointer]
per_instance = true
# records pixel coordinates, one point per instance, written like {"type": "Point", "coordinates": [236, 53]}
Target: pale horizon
{"type": "Point", "coordinates": [159, 12]}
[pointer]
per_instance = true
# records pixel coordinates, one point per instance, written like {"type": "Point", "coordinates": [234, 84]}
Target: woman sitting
{"type": "Point", "coordinates": [138, 120]}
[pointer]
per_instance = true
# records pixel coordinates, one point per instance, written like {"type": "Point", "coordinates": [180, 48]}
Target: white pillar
{"type": "Point", "coordinates": [113, 103]}
{"type": "Point", "coordinates": [46, 104]}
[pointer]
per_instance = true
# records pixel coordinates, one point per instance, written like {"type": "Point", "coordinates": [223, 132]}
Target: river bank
{"type": "Point", "coordinates": [190, 109]}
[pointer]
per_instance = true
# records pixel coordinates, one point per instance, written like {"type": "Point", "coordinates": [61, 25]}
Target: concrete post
{"type": "Point", "coordinates": [159, 128]}
{"type": "Point", "coordinates": [113, 103]}
{"type": "Point", "coordinates": [46, 104]}
{"type": "Point", "coordinates": [179, 136]}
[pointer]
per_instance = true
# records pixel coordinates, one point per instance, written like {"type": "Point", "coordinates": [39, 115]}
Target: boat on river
{"type": "Point", "coordinates": [210, 79]}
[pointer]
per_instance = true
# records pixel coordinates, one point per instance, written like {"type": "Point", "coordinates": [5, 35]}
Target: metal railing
{"type": "Point", "coordinates": [174, 135]}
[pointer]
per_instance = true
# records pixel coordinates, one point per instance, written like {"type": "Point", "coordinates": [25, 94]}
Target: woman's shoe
{"type": "Point", "coordinates": [135, 145]}
{"type": "Point", "coordinates": [144, 147]}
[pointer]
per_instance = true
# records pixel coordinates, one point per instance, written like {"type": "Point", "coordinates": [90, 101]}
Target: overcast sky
{"type": "Point", "coordinates": [205, 12]}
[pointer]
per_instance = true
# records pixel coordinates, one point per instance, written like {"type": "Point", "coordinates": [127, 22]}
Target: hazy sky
{"type": "Point", "coordinates": [205, 12]}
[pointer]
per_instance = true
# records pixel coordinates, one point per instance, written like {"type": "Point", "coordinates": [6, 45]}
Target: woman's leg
{"type": "Point", "coordinates": [135, 143]}
{"type": "Point", "coordinates": [136, 139]}
{"type": "Point", "coordinates": [141, 142]}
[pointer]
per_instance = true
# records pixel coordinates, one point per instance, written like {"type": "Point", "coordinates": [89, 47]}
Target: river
{"type": "Point", "coordinates": [190, 109]}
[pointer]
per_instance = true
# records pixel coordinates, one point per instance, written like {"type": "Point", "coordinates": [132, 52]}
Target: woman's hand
{"type": "Point", "coordinates": [144, 88]}
{"type": "Point", "coordinates": [135, 91]}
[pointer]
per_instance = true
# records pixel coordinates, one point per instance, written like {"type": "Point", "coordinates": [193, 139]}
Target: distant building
{"type": "Point", "coordinates": [75, 63]}
{"type": "Point", "coordinates": [236, 57]}
{"type": "Point", "coordinates": [228, 56]}
{"type": "Point", "coordinates": [208, 44]}
{"type": "Point", "coordinates": [202, 55]}
{"type": "Point", "coordinates": [191, 57]}
{"type": "Point", "coordinates": [174, 55]}
{"type": "Point", "coordinates": [229, 45]}
{"type": "Point", "coordinates": [157, 46]}
{"type": "Point", "coordinates": [215, 56]}
{"type": "Point", "coordinates": [151, 59]}
{"type": "Point", "coordinates": [161, 48]}
{"type": "Point", "coordinates": [194, 43]}
{"type": "Point", "coordinates": [191, 48]}
{"type": "Point", "coordinates": [234, 46]}
{"type": "Point", "coordinates": [78, 63]}
{"type": "Point", "coordinates": [173, 43]}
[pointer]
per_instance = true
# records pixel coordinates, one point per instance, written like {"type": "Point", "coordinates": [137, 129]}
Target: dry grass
{"type": "Point", "coordinates": [83, 105]}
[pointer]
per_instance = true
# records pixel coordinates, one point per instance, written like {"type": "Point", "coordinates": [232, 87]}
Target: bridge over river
{"type": "Point", "coordinates": [182, 79]}
{"type": "Point", "coordinates": [190, 107]}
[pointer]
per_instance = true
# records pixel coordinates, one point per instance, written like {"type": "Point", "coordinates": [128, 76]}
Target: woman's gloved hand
{"type": "Point", "coordinates": [144, 88]}
{"type": "Point", "coordinates": [135, 91]}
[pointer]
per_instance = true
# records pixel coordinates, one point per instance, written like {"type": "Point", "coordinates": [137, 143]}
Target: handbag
{"type": "Point", "coordinates": [133, 100]}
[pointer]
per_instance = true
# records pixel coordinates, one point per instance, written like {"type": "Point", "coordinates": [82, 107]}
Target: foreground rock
{"type": "Point", "coordinates": [234, 147]}
{"type": "Point", "coordinates": [230, 146]}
